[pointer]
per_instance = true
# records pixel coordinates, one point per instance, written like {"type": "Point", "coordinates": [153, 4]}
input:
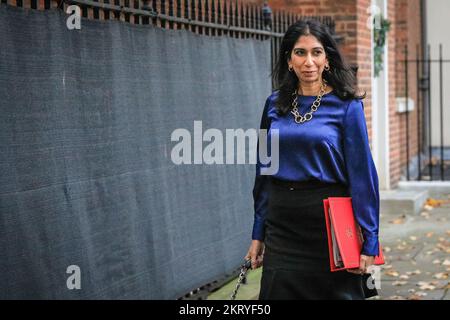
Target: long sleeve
{"type": "Point", "coordinates": [260, 189]}
{"type": "Point", "coordinates": [362, 176]}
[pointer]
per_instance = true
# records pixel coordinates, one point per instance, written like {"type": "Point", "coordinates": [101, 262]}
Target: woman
{"type": "Point", "coordinates": [323, 152]}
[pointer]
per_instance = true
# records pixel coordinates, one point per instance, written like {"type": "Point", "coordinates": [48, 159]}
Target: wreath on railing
{"type": "Point", "coordinates": [381, 28]}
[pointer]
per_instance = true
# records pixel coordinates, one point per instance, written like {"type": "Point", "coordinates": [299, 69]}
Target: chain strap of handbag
{"type": "Point", "coordinates": [242, 275]}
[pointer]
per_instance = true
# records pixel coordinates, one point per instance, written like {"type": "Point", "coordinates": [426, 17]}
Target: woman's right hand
{"type": "Point", "coordinates": [256, 253]}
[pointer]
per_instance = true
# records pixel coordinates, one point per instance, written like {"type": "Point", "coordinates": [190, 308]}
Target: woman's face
{"type": "Point", "coordinates": [308, 59]}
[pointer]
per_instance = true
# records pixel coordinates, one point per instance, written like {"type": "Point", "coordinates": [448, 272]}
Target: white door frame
{"type": "Point", "coordinates": [380, 111]}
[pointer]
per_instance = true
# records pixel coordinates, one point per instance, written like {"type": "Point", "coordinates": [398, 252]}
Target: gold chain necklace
{"type": "Point", "coordinates": [308, 116]}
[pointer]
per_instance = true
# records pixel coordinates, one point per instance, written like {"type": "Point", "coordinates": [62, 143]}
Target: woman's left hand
{"type": "Point", "coordinates": [364, 263]}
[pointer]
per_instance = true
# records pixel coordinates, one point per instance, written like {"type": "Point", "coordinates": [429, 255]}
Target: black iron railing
{"type": "Point", "coordinates": [207, 17]}
{"type": "Point", "coordinates": [434, 166]}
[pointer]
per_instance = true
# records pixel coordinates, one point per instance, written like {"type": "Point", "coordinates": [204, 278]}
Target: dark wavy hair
{"type": "Point", "coordinates": [340, 76]}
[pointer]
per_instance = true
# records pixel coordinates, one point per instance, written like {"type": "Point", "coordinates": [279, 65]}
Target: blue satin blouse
{"type": "Point", "coordinates": [332, 147]}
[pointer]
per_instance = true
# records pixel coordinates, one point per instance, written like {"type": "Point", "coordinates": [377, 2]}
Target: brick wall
{"type": "Point", "coordinates": [407, 31]}
{"type": "Point", "coordinates": [394, 132]}
{"type": "Point", "coordinates": [364, 57]}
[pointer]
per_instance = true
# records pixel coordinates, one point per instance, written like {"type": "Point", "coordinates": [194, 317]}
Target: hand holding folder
{"type": "Point", "coordinates": [344, 235]}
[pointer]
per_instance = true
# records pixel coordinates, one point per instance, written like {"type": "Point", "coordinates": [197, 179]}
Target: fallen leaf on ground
{"type": "Point", "coordinates": [430, 234]}
{"type": "Point", "coordinates": [404, 277]}
{"type": "Point", "coordinates": [398, 221]}
{"type": "Point", "coordinates": [440, 284]}
{"type": "Point", "coordinates": [443, 247]}
{"type": "Point", "coordinates": [386, 266]}
{"type": "Point", "coordinates": [434, 202]}
{"type": "Point", "coordinates": [399, 283]}
{"type": "Point", "coordinates": [426, 286]}
{"type": "Point", "coordinates": [437, 261]}
{"type": "Point", "coordinates": [391, 273]}
{"type": "Point", "coordinates": [425, 214]}
{"type": "Point", "coordinates": [441, 275]}
{"type": "Point", "coordinates": [387, 249]}
{"type": "Point", "coordinates": [410, 273]}
{"type": "Point", "coordinates": [396, 298]}
{"type": "Point", "coordinates": [446, 262]}
{"type": "Point", "coordinates": [428, 207]}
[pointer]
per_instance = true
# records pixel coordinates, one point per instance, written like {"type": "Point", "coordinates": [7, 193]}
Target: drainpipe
{"type": "Point", "coordinates": [423, 25]}
{"type": "Point", "coordinates": [425, 82]}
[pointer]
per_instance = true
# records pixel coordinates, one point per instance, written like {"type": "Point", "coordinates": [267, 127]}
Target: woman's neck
{"type": "Point", "coordinates": [310, 88]}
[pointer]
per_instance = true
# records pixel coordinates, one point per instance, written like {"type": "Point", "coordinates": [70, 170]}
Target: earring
{"type": "Point", "coordinates": [290, 68]}
{"type": "Point", "coordinates": [327, 68]}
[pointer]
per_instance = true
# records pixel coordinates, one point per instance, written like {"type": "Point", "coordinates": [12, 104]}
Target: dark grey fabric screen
{"type": "Point", "coordinates": [86, 118]}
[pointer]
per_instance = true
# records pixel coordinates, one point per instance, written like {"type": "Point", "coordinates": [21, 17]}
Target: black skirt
{"type": "Point", "coordinates": [296, 260]}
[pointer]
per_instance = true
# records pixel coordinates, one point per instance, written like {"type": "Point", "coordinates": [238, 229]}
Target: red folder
{"type": "Point", "coordinates": [344, 235]}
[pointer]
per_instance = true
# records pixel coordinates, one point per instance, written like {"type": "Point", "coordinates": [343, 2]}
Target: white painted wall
{"type": "Point", "coordinates": [438, 28]}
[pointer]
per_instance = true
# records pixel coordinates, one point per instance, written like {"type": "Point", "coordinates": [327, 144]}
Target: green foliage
{"type": "Point", "coordinates": [381, 28]}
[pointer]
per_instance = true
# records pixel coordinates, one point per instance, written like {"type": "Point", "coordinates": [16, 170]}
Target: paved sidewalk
{"type": "Point", "coordinates": [417, 250]}
{"type": "Point", "coordinates": [417, 254]}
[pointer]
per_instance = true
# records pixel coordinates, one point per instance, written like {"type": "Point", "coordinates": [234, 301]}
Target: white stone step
{"type": "Point", "coordinates": [402, 201]}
